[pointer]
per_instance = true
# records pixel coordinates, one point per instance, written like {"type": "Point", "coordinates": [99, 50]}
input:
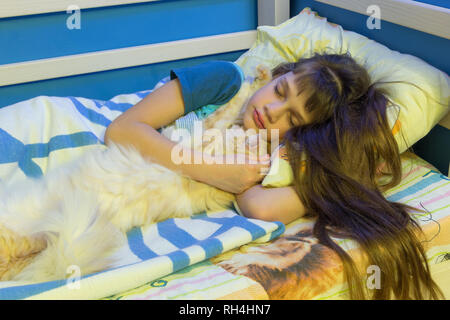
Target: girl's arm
{"type": "Point", "coordinates": [157, 109]}
{"type": "Point", "coordinates": [271, 204]}
{"type": "Point", "coordinates": [137, 126]}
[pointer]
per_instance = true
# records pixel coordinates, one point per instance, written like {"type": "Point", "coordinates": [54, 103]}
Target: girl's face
{"type": "Point", "coordinates": [277, 105]}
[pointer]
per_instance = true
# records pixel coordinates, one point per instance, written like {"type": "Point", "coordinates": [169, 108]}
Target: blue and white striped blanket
{"type": "Point", "coordinates": [46, 132]}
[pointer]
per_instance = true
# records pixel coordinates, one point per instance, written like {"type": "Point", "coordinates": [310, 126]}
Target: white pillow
{"type": "Point", "coordinates": [412, 116]}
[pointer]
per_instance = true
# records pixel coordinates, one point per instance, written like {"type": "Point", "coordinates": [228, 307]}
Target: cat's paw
{"type": "Point", "coordinates": [263, 73]}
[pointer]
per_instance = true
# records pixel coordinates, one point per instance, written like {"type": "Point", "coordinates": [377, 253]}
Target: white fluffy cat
{"type": "Point", "coordinates": [79, 214]}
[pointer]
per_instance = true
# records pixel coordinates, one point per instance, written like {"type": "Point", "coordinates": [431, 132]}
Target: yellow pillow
{"type": "Point", "coordinates": [280, 173]}
{"type": "Point", "coordinates": [411, 116]}
{"type": "Point", "coordinates": [307, 33]}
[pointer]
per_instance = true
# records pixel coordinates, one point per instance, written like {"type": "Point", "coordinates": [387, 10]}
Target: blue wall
{"type": "Point", "coordinates": [439, 3]}
{"type": "Point", "coordinates": [46, 35]}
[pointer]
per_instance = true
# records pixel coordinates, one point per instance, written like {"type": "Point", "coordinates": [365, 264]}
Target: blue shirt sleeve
{"type": "Point", "coordinates": [212, 82]}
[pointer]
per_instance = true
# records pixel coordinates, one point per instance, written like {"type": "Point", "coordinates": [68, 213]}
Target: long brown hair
{"type": "Point", "coordinates": [335, 161]}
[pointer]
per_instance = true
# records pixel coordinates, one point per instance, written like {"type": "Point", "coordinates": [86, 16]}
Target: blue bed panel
{"type": "Point", "coordinates": [439, 3]}
{"type": "Point", "coordinates": [46, 35]}
{"type": "Point", "coordinates": [103, 85]}
{"type": "Point", "coordinates": [40, 36]}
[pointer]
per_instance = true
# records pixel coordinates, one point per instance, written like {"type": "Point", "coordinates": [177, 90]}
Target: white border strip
{"type": "Point", "coordinates": [412, 14]}
{"type": "Point", "coordinates": [14, 8]}
{"type": "Point", "coordinates": [70, 65]}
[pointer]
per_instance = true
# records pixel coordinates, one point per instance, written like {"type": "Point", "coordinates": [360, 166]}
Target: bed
{"type": "Point", "coordinates": [236, 258]}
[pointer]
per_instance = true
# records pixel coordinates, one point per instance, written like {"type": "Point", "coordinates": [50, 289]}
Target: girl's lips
{"type": "Point", "coordinates": [258, 120]}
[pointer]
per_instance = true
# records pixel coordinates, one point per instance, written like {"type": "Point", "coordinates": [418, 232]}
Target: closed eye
{"type": "Point", "coordinates": [291, 122]}
{"type": "Point", "coordinates": [277, 91]}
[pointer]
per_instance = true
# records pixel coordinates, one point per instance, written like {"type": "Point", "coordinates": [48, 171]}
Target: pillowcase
{"type": "Point", "coordinates": [280, 173]}
{"type": "Point", "coordinates": [412, 113]}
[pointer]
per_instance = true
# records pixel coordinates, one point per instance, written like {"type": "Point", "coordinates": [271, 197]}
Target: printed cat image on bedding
{"type": "Point", "coordinates": [294, 266]}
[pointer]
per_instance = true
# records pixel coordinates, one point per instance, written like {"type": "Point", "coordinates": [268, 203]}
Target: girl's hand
{"type": "Point", "coordinates": [236, 176]}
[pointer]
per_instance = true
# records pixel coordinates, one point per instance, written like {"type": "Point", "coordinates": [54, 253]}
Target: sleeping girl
{"type": "Point", "coordinates": [333, 121]}
{"type": "Point", "coordinates": [327, 112]}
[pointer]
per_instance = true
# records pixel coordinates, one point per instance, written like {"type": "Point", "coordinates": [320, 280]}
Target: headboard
{"type": "Point", "coordinates": [98, 49]}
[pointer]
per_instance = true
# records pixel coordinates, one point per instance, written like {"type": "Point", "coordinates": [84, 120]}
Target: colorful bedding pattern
{"type": "Point", "coordinates": [295, 265]}
{"type": "Point", "coordinates": [46, 132]}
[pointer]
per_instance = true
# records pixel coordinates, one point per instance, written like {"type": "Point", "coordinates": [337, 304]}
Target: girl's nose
{"type": "Point", "coordinates": [274, 110]}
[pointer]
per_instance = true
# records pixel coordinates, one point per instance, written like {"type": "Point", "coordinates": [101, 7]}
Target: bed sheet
{"type": "Point", "coordinates": [295, 265]}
